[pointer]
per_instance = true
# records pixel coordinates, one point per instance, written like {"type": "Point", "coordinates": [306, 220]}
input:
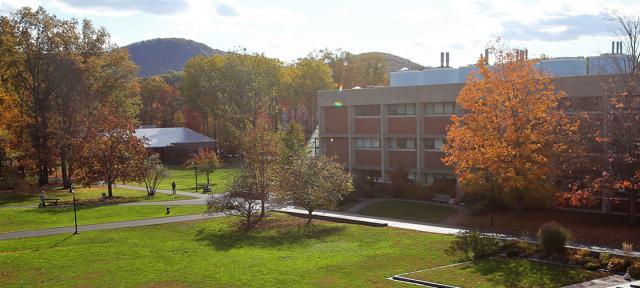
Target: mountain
{"type": "Point", "coordinates": [156, 56]}
{"type": "Point", "coordinates": [395, 63]}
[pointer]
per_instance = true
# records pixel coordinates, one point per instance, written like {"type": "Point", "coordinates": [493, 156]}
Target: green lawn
{"type": "Point", "coordinates": [185, 179]}
{"type": "Point", "coordinates": [408, 210]}
{"type": "Point", "coordinates": [19, 219]}
{"type": "Point", "coordinates": [503, 273]}
{"type": "Point", "coordinates": [85, 195]}
{"type": "Point", "coordinates": [213, 253]}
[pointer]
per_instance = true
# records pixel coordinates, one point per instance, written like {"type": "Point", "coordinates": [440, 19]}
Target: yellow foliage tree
{"type": "Point", "coordinates": [511, 135]}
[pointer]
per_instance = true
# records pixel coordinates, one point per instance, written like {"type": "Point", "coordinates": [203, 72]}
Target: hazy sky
{"type": "Point", "coordinates": [418, 30]}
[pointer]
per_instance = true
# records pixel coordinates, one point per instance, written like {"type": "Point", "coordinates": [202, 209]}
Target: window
{"type": "Point", "coordinates": [368, 143]}
{"type": "Point", "coordinates": [402, 109]}
{"type": "Point", "coordinates": [431, 178]}
{"type": "Point", "coordinates": [440, 108]}
{"type": "Point", "coordinates": [367, 110]}
{"type": "Point", "coordinates": [402, 143]}
{"type": "Point", "coordinates": [434, 143]}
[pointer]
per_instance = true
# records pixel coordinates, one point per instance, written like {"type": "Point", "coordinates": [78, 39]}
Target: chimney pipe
{"type": "Point", "coordinates": [526, 54]}
{"type": "Point", "coordinates": [613, 50]}
{"type": "Point", "coordinates": [441, 59]}
{"type": "Point", "coordinates": [447, 59]}
{"type": "Point", "coordinates": [620, 47]}
{"type": "Point", "coordinates": [486, 56]}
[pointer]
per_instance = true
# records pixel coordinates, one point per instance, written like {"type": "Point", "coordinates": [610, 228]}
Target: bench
{"type": "Point", "coordinates": [441, 198]}
{"type": "Point", "coordinates": [45, 200]}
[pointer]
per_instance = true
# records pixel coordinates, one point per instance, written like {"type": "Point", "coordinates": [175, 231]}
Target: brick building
{"type": "Point", "coordinates": [375, 131]}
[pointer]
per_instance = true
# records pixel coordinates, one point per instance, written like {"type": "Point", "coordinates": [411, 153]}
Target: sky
{"type": "Point", "coordinates": [415, 29]}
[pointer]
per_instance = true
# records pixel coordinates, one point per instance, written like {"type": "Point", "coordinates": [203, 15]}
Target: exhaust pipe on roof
{"type": "Point", "coordinates": [486, 56]}
{"type": "Point", "coordinates": [447, 59]}
{"type": "Point", "coordinates": [441, 59]}
{"type": "Point", "coordinates": [526, 54]}
{"type": "Point", "coordinates": [613, 44]}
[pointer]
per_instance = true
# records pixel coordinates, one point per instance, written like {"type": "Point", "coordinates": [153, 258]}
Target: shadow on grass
{"type": "Point", "coordinates": [524, 273]}
{"type": "Point", "coordinates": [269, 233]}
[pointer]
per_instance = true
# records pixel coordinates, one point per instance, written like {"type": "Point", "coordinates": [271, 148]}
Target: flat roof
{"type": "Point", "coordinates": [165, 137]}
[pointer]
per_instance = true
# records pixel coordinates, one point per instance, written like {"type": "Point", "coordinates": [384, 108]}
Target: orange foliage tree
{"type": "Point", "coordinates": [110, 151]}
{"type": "Point", "coordinates": [511, 135]}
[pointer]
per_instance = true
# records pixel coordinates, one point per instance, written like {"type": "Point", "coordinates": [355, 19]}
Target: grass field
{"type": "Point", "coordinates": [84, 195]}
{"type": "Point", "coordinates": [185, 179]}
{"type": "Point", "coordinates": [213, 253]}
{"type": "Point", "coordinates": [507, 273]}
{"type": "Point", "coordinates": [19, 219]}
{"type": "Point", "coordinates": [408, 210]}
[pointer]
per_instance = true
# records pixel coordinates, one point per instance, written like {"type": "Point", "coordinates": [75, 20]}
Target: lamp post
{"type": "Point", "coordinates": [75, 213]}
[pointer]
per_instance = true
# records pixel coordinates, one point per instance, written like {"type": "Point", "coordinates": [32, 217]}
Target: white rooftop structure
{"type": "Point", "coordinates": [165, 137]}
{"type": "Point", "coordinates": [556, 67]}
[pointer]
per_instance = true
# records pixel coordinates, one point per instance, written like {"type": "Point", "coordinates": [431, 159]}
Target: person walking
{"type": "Point", "coordinates": [173, 187]}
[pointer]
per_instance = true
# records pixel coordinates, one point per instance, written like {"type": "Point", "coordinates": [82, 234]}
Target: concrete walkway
{"type": "Point", "coordinates": [610, 281]}
{"type": "Point", "coordinates": [163, 191]}
{"type": "Point", "coordinates": [104, 226]}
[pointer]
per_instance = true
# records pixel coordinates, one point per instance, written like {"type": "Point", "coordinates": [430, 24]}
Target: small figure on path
{"type": "Point", "coordinates": [173, 187]}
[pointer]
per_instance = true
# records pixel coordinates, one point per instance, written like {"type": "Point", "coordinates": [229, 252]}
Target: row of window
{"type": "Point", "coordinates": [429, 178]}
{"type": "Point", "coordinates": [436, 108]}
{"type": "Point", "coordinates": [435, 143]}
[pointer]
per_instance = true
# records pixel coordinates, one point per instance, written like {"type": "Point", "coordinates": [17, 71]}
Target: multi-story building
{"type": "Point", "coordinates": [375, 131]}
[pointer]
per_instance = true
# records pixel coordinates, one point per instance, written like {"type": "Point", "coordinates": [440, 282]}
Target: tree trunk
{"type": "Point", "coordinates": [43, 172]}
{"type": "Point", "coordinates": [309, 216]}
{"type": "Point", "coordinates": [63, 166]}
{"type": "Point", "coordinates": [110, 188]}
{"type": "Point", "coordinates": [633, 207]}
{"type": "Point", "coordinates": [248, 227]}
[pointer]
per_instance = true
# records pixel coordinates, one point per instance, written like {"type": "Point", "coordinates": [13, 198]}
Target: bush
{"type": "Point", "coordinates": [579, 258]}
{"type": "Point", "coordinates": [518, 249]}
{"type": "Point", "coordinates": [616, 265]}
{"type": "Point", "coordinates": [604, 259]}
{"type": "Point", "coordinates": [474, 245]}
{"type": "Point", "coordinates": [591, 263]}
{"type": "Point", "coordinates": [553, 237]}
{"type": "Point", "coordinates": [634, 270]}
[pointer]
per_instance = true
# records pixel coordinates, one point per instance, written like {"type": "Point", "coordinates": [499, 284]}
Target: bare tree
{"type": "Point", "coordinates": [621, 125]}
{"type": "Point", "coordinates": [243, 199]}
{"type": "Point", "coordinates": [154, 173]}
{"type": "Point", "coordinates": [313, 183]}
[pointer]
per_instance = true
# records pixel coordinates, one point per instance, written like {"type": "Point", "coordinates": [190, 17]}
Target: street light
{"type": "Point", "coordinates": [75, 213]}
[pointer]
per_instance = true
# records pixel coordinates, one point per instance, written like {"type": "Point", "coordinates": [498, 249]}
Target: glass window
{"type": "Point", "coordinates": [411, 109]}
{"type": "Point", "coordinates": [402, 143]}
{"type": "Point", "coordinates": [375, 142]}
{"type": "Point", "coordinates": [440, 108]}
{"type": "Point", "coordinates": [448, 108]}
{"type": "Point", "coordinates": [402, 109]}
{"type": "Point", "coordinates": [367, 110]}
{"type": "Point", "coordinates": [434, 143]}
{"type": "Point", "coordinates": [368, 143]}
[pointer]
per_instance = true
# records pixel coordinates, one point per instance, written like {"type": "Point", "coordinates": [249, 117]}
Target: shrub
{"type": "Point", "coordinates": [553, 237]}
{"type": "Point", "coordinates": [518, 248]}
{"type": "Point", "coordinates": [474, 245]}
{"type": "Point", "coordinates": [604, 259]}
{"type": "Point", "coordinates": [634, 270]}
{"type": "Point", "coordinates": [579, 258]}
{"type": "Point", "coordinates": [616, 265]}
{"type": "Point", "coordinates": [591, 263]}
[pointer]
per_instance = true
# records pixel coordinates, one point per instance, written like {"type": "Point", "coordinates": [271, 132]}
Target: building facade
{"type": "Point", "coordinates": [376, 131]}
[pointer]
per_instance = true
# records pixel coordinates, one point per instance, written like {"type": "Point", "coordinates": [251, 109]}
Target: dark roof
{"type": "Point", "coordinates": [164, 137]}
